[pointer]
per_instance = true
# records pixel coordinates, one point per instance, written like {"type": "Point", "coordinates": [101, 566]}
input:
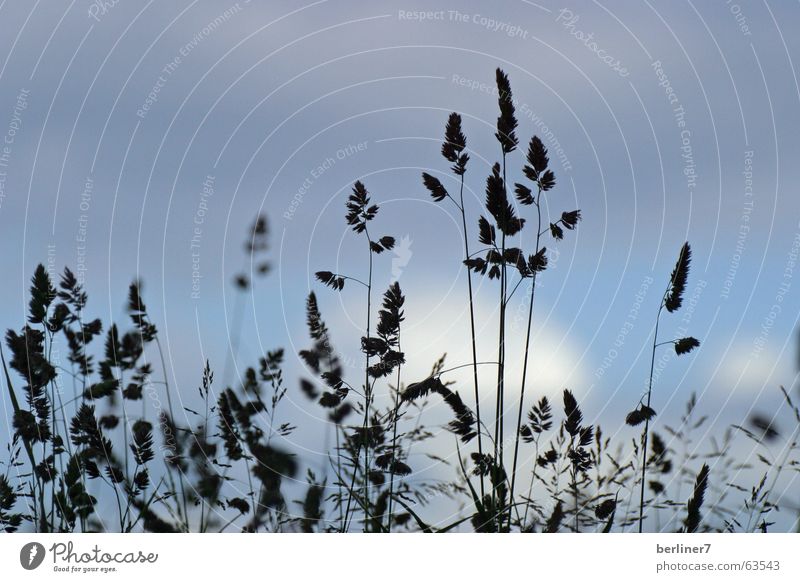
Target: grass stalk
{"type": "Point", "coordinates": [395, 420]}
{"type": "Point", "coordinates": [646, 432]}
{"type": "Point", "coordinates": [472, 329]}
{"type": "Point", "coordinates": [367, 387]}
{"type": "Point", "coordinates": [37, 485]}
{"type": "Point", "coordinates": [525, 356]}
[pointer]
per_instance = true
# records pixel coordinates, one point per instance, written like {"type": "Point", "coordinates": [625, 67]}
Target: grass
{"type": "Point", "coordinates": [230, 467]}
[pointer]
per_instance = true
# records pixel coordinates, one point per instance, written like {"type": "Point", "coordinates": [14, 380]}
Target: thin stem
{"type": "Point", "coordinates": [514, 290]}
{"type": "Point", "coordinates": [530, 487]}
{"type": "Point", "coordinates": [49, 348]}
{"type": "Point", "coordinates": [472, 329]}
{"type": "Point", "coordinates": [479, 251]}
{"type": "Point", "coordinates": [172, 414]}
{"type": "Point", "coordinates": [205, 442]}
{"type": "Point", "coordinates": [337, 428]}
{"type": "Point", "coordinates": [394, 441]}
{"type": "Point", "coordinates": [499, 406]}
{"type": "Point", "coordinates": [780, 467]}
{"type": "Point", "coordinates": [367, 395]}
{"type": "Point", "coordinates": [229, 523]}
{"type": "Point", "coordinates": [359, 281]}
{"type": "Point", "coordinates": [252, 495]}
{"type": "Point", "coordinates": [116, 495]}
{"type": "Point", "coordinates": [575, 493]}
{"type": "Point", "coordinates": [574, 484]}
{"type": "Point", "coordinates": [145, 507]}
{"type": "Point", "coordinates": [525, 358]}
{"type": "Point", "coordinates": [446, 370]}
{"type": "Point", "coordinates": [339, 472]}
{"type": "Point", "coordinates": [351, 488]}
{"type": "Point", "coordinates": [36, 484]}
{"type": "Point", "coordinates": [367, 388]}
{"type": "Point", "coordinates": [647, 420]}
{"type": "Point", "coordinates": [125, 420]}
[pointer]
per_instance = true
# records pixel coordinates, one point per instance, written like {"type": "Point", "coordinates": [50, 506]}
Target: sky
{"type": "Point", "coordinates": [142, 139]}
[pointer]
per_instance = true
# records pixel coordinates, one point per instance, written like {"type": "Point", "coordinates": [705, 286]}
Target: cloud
{"type": "Point", "coordinates": [435, 326]}
{"type": "Point", "coordinates": [738, 369]}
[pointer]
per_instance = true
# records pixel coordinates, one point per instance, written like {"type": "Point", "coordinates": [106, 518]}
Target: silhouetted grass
{"type": "Point", "coordinates": [229, 466]}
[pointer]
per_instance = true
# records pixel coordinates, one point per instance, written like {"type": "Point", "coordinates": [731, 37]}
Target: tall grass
{"type": "Point", "coordinates": [227, 464]}
{"type": "Point", "coordinates": [672, 300]}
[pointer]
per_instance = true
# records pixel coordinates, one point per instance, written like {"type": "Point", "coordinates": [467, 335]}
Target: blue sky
{"type": "Point", "coordinates": [273, 98]}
